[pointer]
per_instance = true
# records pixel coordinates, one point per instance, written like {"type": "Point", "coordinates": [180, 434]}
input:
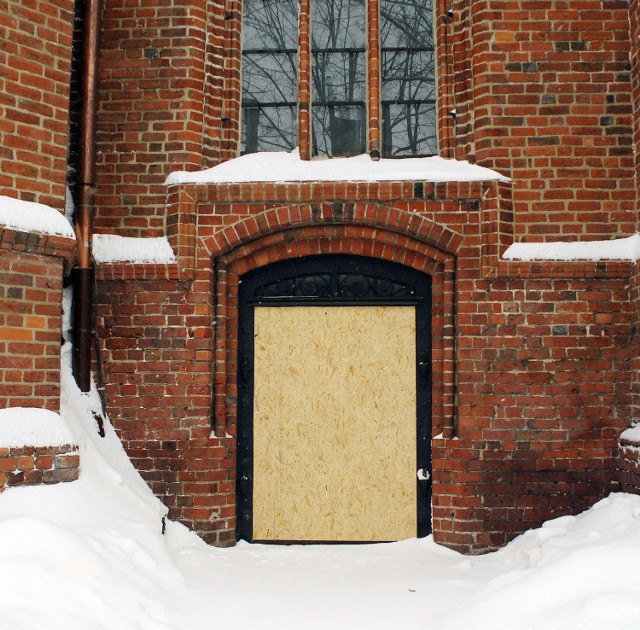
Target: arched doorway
{"type": "Point", "coordinates": [334, 405]}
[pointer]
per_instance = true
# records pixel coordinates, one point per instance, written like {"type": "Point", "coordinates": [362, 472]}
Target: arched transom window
{"type": "Point", "coordinates": [363, 81]}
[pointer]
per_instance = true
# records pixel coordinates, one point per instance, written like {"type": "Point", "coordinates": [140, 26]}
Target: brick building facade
{"type": "Point", "coordinates": [35, 66]}
{"type": "Point", "coordinates": [533, 365]}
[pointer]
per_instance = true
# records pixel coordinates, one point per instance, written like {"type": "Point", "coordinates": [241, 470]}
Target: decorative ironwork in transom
{"type": "Point", "coordinates": [333, 279]}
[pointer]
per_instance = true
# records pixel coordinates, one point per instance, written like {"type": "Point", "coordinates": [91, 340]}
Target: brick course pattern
{"type": "Point", "coordinates": [634, 37]}
{"type": "Point", "coordinates": [542, 92]}
{"type": "Point", "coordinates": [35, 67]}
{"type": "Point", "coordinates": [36, 465]}
{"type": "Point", "coordinates": [30, 328]}
{"type": "Point", "coordinates": [152, 100]}
{"type": "Point", "coordinates": [537, 422]}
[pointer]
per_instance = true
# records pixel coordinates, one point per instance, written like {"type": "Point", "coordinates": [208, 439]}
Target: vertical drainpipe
{"type": "Point", "coordinates": [86, 187]}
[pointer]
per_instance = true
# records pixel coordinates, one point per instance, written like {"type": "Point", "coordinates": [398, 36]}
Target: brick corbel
{"type": "Point", "coordinates": [41, 244]}
{"type": "Point", "coordinates": [496, 225]}
{"type": "Point", "coordinates": [182, 227]}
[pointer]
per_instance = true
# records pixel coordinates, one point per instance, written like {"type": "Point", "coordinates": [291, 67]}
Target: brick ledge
{"type": "Point", "coordinates": [38, 465]}
{"type": "Point", "coordinates": [138, 271]}
{"type": "Point", "coordinates": [301, 191]}
{"type": "Point", "coordinates": [536, 269]}
{"type": "Point", "coordinates": [39, 243]}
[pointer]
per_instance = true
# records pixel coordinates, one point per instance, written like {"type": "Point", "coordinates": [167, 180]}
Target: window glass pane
{"type": "Point", "coordinates": [338, 24]}
{"type": "Point", "coordinates": [408, 129]}
{"type": "Point", "coordinates": [408, 78]}
{"type": "Point", "coordinates": [268, 128]}
{"type": "Point", "coordinates": [270, 25]}
{"type": "Point", "coordinates": [269, 75]}
{"type": "Point", "coordinates": [339, 130]}
{"type": "Point", "coordinates": [338, 77]}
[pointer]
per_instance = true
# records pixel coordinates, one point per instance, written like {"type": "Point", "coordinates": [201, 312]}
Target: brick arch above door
{"type": "Point", "coordinates": [330, 238]}
{"type": "Point", "coordinates": [412, 225]}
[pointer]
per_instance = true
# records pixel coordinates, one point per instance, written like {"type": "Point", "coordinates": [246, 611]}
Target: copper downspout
{"type": "Point", "coordinates": [86, 188]}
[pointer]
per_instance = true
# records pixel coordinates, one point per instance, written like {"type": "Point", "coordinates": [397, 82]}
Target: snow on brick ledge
{"type": "Point", "coordinates": [36, 448]}
{"type": "Point", "coordinates": [632, 434]}
{"type": "Point", "coordinates": [28, 216]}
{"type": "Point", "coordinates": [110, 248]}
{"type": "Point", "coordinates": [288, 167]}
{"type": "Point", "coordinates": [26, 426]}
{"type": "Point", "coordinates": [617, 249]}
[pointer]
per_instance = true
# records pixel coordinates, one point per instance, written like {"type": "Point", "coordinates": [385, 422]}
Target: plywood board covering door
{"type": "Point", "coordinates": [334, 423]}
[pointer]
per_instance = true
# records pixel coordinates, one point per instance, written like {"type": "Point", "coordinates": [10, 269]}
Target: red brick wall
{"type": "Point", "coordinates": [634, 37]}
{"type": "Point", "coordinates": [157, 356]}
{"type": "Point", "coordinates": [151, 103]}
{"type": "Point", "coordinates": [543, 390]}
{"type": "Point", "coordinates": [536, 375]}
{"type": "Point", "coordinates": [30, 329]}
{"type": "Point", "coordinates": [542, 93]}
{"type": "Point", "coordinates": [215, 116]}
{"type": "Point", "coordinates": [542, 387]}
{"type": "Point", "coordinates": [35, 66]}
{"type": "Point", "coordinates": [542, 375]}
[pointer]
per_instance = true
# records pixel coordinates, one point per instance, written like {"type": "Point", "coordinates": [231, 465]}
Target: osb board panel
{"type": "Point", "coordinates": [334, 423]}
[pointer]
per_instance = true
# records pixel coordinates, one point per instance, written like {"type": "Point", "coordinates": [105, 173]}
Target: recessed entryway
{"type": "Point", "coordinates": [334, 406]}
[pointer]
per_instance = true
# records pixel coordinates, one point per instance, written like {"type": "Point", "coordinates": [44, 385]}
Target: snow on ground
{"type": "Point", "coordinates": [288, 167]}
{"type": "Point", "coordinates": [90, 555]}
{"type": "Point", "coordinates": [616, 249]}
{"type": "Point", "coordinates": [109, 248]}
{"type": "Point", "coordinates": [27, 216]}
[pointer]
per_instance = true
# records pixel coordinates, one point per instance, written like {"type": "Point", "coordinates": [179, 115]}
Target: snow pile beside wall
{"type": "Point", "coordinates": [573, 572]}
{"type": "Point", "coordinates": [88, 554]}
{"type": "Point", "coordinates": [91, 554]}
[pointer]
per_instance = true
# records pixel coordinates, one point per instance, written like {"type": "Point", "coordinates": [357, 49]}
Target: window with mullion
{"type": "Point", "coordinates": [408, 78]}
{"type": "Point", "coordinates": [338, 71]}
{"type": "Point", "coordinates": [269, 75]}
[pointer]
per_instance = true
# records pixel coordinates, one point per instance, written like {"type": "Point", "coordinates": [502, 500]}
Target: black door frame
{"type": "Point", "coordinates": [333, 280]}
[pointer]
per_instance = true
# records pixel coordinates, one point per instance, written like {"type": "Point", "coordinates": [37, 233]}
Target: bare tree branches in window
{"type": "Point", "coordinates": [338, 66]}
